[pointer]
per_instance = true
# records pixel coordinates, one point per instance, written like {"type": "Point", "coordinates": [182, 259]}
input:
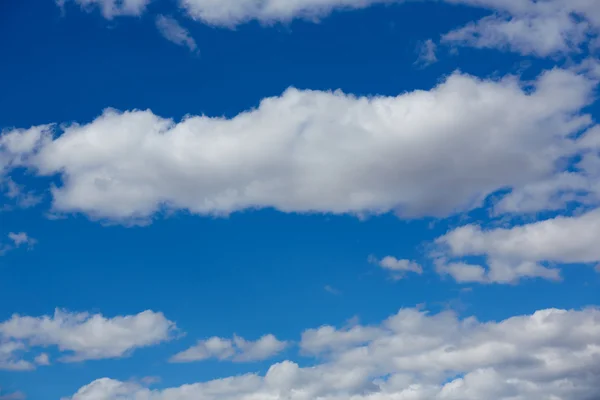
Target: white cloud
{"type": "Point", "coordinates": [174, 32]}
{"type": "Point", "coordinates": [540, 28]}
{"type": "Point", "coordinates": [17, 193]}
{"type": "Point", "coordinates": [42, 359]}
{"type": "Point", "coordinates": [397, 267]}
{"type": "Point", "coordinates": [9, 356]}
{"type": "Point", "coordinates": [237, 350]}
{"type": "Point", "coordinates": [311, 151]}
{"type": "Point", "coordinates": [17, 240]}
{"type": "Point", "coordinates": [21, 238]}
{"type": "Point", "coordinates": [521, 251]}
{"type": "Point", "coordinates": [427, 54]}
{"type": "Point", "coordinates": [235, 12]}
{"type": "Point", "coordinates": [88, 337]}
{"type": "Point", "coordinates": [111, 8]}
{"type": "Point", "coordinates": [549, 355]}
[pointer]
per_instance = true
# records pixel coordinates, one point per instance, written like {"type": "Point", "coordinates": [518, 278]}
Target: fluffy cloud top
{"type": "Point", "coordinates": [309, 151]}
{"type": "Point", "coordinates": [84, 336]}
{"type": "Point", "coordinates": [549, 355]}
{"type": "Point", "coordinates": [237, 350]}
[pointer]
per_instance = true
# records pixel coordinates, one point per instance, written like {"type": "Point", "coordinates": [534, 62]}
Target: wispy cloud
{"type": "Point", "coordinates": [171, 30]}
{"type": "Point", "coordinates": [427, 53]}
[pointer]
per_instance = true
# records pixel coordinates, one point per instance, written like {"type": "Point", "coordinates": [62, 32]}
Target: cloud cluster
{"type": "Point", "coordinates": [80, 335]}
{"type": "Point", "coordinates": [549, 355]}
{"type": "Point", "coordinates": [236, 350]}
{"type": "Point", "coordinates": [420, 153]}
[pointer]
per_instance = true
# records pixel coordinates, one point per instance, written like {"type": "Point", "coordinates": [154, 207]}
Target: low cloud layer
{"type": "Point", "coordinates": [549, 355]}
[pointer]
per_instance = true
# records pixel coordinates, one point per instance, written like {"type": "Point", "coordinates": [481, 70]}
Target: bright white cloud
{"type": "Point", "coordinates": [174, 32]}
{"type": "Point", "coordinates": [549, 355]}
{"type": "Point", "coordinates": [397, 267]}
{"type": "Point", "coordinates": [237, 350]}
{"type": "Point", "coordinates": [522, 251]}
{"type": "Point", "coordinates": [87, 337]}
{"type": "Point", "coordinates": [111, 8]}
{"type": "Point", "coordinates": [308, 151]}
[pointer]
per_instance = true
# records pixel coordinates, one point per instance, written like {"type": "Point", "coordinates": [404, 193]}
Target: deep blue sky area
{"type": "Point", "coordinates": [258, 270]}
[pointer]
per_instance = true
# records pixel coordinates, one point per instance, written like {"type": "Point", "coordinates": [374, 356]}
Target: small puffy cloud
{"type": "Point", "coordinates": [313, 151]}
{"type": "Point", "coordinates": [110, 8]}
{"type": "Point", "coordinates": [83, 336]}
{"type": "Point", "coordinates": [397, 267]}
{"type": "Point", "coordinates": [171, 30]}
{"type": "Point", "coordinates": [21, 238]}
{"type": "Point", "coordinates": [548, 355]}
{"type": "Point", "coordinates": [521, 251]}
{"type": "Point", "coordinates": [42, 359]}
{"type": "Point", "coordinates": [237, 349]}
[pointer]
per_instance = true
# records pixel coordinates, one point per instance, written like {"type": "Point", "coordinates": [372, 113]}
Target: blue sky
{"type": "Point", "coordinates": [334, 199]}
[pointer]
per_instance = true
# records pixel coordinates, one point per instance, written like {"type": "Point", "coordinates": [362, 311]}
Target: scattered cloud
{"type": "Point", "coordinates": [540, 28]}
{"type": "Point", "coordinates": [171, 30]}
{"type": "Point", "coordinates": [521, 251]}
{"type": "Point", "coordinates": [9, 356]}
{"type": "Point", "coordinates": [237, 349]}
{"type": "Point", "coordinates": [110, 8]}
{"type": "Point", "coordinates": [21, 238]}
{"type": "Point", "coordinates": [551, 354]}
{"type": "Point", "coordinates": [17, 193]}
{"type": "Point", "coordinates": [312, 151]}
{"type": "Point", "coordinates": [397, 267]}
{"type": "Point", "coordinates": [83, 336]}
{"type": "Point", "coordinates": [42, 359]}
{"type": "Point", "coordinates": [17, 240]}
{"type": "Point", "coordinates": [427, 53]}
{"type": "Point", "coordinates": [150, 380]}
